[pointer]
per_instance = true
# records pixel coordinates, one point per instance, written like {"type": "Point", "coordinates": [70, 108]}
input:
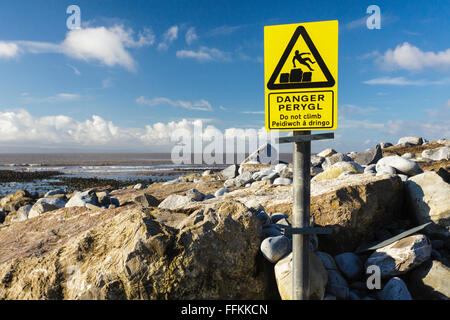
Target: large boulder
{"type": "Point", "coordinates": [338, 157]}
{"type": "Point", "coordinates": [410, 141]}
{"type": "Point", "coordinates": [400, 164]}
{"type": "Point", "coordinates": [337, 169]}
{"type": "Point", "coordinates": [442, 153]}
{"type": "Point", "coordinates": [326, 153]}
{"type": "Point", "coordinates": [230, 172]}
{"type": "Point", "coordinates": [317, 278]}
{"type": "Point", "coordinates": [370, 156]}
{"type": "Point", "coordinates": [20, 215]}
{"type": "Point", "coordinates": [174, 202]}
{"type": "Point", "coordinates": [429, 200]}
{"type": "Point", "coordinates": [350, 265]}
{"type": "Point", "coordinates": [357, 206]}
{"type": "Point", "coordinates": [44, 205]}
{"type": "Point", "coordinates": [146, 200]}
{"type": "Point", "coordinates": [80, 199]}
{"type": "Point", "coordinates": [129, 254]}
{"type": "Point", "coordinates": [430, 281]}
{"type": "Point", "coordinates": [14, 201]}
{"type": "Point", "coordinates": [401, 256]}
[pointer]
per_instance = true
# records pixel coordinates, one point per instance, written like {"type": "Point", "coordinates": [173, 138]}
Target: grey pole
{"type": "Point", "coordinates": [300, 242]}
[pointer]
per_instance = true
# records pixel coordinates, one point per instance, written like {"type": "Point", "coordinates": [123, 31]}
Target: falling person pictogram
{"type": "Point", "coordinates": [301, 60]}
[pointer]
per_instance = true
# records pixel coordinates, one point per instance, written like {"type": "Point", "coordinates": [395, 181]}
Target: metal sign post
{"type": "Point", "coordinates": [300, 217]}
{"type": "Point", "coordinates": [300, 212]}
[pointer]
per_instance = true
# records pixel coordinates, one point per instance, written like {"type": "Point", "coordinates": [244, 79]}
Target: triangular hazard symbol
{"type": "Point", "coordinates": [297, 78]}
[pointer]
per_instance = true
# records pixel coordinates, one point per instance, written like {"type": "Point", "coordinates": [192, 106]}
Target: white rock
{"type": "Point", "coordinates": [326, 153]}
{"type": "Point", "coordinates": [221, 192]}
{"type": "Point", "coordinates": [414, 141]}
{"type": "Point", "coordinates": [429, 200]}
{"type": "Point", "coordinates": [401, 256]}
{"type": "Point", "coordinates": [442, 153]}
{"type": "Point", "coordinates": [174, 202]}
{"type": "Point", "coordinates": [275, 248]}
{"type": "Point", "coordinates": [279, 167]}
{"type": "Point", "coordinates": [80, 199]}
{"type": "Point", "coordinates": [404, 166]}
{"type": "Point", "coordinates": [282, 181]}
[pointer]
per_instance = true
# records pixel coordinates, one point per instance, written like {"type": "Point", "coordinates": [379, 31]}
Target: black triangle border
{"type": "Point", "coordinates": [306, 85]}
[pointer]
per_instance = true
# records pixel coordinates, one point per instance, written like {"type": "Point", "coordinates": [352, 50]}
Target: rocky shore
{"type": "Point", "coordinates": [226, 235]}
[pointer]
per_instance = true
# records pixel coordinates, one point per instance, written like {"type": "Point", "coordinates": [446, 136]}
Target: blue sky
{"type": "Point", "coordinates": [135, 64]}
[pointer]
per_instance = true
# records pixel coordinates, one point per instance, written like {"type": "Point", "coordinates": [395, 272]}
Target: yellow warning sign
{"type": "Point", "coordinates": [301, 64]}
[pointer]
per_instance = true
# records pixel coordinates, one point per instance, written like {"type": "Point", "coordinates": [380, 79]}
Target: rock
{"type": "Point", "coordinates": [317, 279]}
{"type": "Point", "coordinates": [405, 166]}
{"type": "Point", "coordinates": [275, 248]}
{"type": "Point", "coordinates": [329, 297]}
{"type": "Point", "coordinates": [286, 173]}
{"type": "Point", "coordinates": [80, 199]}
{"type": "Point", "coordinates": [282, 181]}
{"type": "Point", "coordinates": [346, 173]}
{"type": "Point", "coordinates": [444, 174]}
{"type": "Point", "coordinates": [338, 157]}
{"type": "Point", "coordinates": [14, 201]}
{"type": "Point", "coordinates": [370, 156]}
{"type": "Point", "coordinates": [91, 206]}
{"type": "Point", "coordinates": [337, 285]}
{"type": "Point", "coordinates": [195, 195]}
{"type": "Point", "coordinates": [350, 265]}
{"type": "Point", "coordinates": [206, 173]}
{"type": "Point", "coordinates": [230, 183]}
{"type": "Point", "coordinates": [271, 231]}
{"type": "Point", "coordinates": [326, 153]}
{"type": "Point", "coordinates": [20, 215]}
{"type": "Point", "coordinates": [260, 174]}
{"type": "Point", "coordinates": [408, 155]}
{"type": "Point", "coordinates": [271, 177]}
{"type": "Point", "coordinates": [429, 200]}
{"type": "Point", "coordinates": [221, 192]}
{"type": "Point", "coordinates": [410, 141]}
{"type": "Point", "coordinates": [315, 171]}
{"type": "Point", "coordinates": [277, 216]}
{"type": "Point", "coordinates": [430, 281]}
{"type": "Point", "coordinates": [356, 206]}
{"type": "Point", "coordinates": [243, 179]}
{"type": "Point", "coordinates": [382, 170]}
{"type": "Point", "coordinates": [353, 296]}
{"type": "Point", "coordinates": [401, 256]}
{"type": "Point", "coordinates": [327, 260]}
{"type": "Point", "coordinates": [384, 145]}
{"type": "Point", "coordinates": [264, 218]}
{"type": "Point", "coordinates": [103, 198]}
{"type": "Point", "coordinates": [139, 186]}
{"type": "Point", "coordinates": [44, 205]}
{"type": "Point", "coordinates": [55, 192]}
{"type": "Point", "coordinates": [264, 154]}
{"type": "Point", "coordinates": [230, 172]}
{"type": "Point", "coordinates": [316, 161]}
{"type": "Point", "coordinates": [337, 169]}
{"type": "Point", "coordinates": [133, 255]}
{"type": "Point", "coordinates": [395, 289]}
{"type": "Point", "coordinates": [442, 153]}
{"type": "Point", "coordinates": [280, 167]}
{"type": "Point", "coordinates": [383, 234]}
{"type": "Point", "coordinates": [404, 177]}
{"type": "Point", "coordinates": [370, 168]}
{"type": "Point", "coordinates": [3, 215]}
{"type": "Point", "coordinates": [174, 202]}
{"type": "Point", "coordinates": [146, 200]}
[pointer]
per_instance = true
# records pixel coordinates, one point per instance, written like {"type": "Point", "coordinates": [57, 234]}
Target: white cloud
{"type": "Point", "coordinates": [8, 50]}
{"type": "Point", "coordinates": [107, 46]}
{"type": "Point", "coordinates": [442, 112]}
{"type": "Point", "coordinates": [223, 30]}
{"type": "Point", "coordinates": [409, 57]}
{"type": "Point", "coordinates": [75, 70]}
{"type": "Point", "coordinates": [191, 36]}
{"type": "Point", "coordinates": [60, 97]}
{"type": "Point", "coordinates": [201, 105]}
{"type": "Point", "coordinates": [402, 81]}
{"type": "Point", "coordinates": [253, 112]}
{"type": "Point", "coordinates": [204, 54]}
{"type": "Point", "coordinates": [170, 36]}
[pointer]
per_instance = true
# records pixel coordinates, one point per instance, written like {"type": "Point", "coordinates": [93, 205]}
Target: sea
{"type": "Point", "coordinates": [155, 167]}
{"type": "Point", "coordinates": [120, 166]}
